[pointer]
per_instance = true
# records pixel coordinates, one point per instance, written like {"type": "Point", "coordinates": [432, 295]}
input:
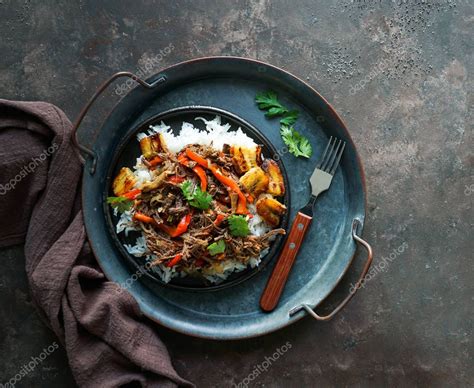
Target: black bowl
{"type": "Point", "coordinates": [129, 150]}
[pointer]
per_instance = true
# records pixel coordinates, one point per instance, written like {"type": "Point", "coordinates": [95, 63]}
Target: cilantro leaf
{"type": "Point", "coordinates": [290, 118]}
{"type": "Point", "coordinates": [188, 190]}
{"type": "Point", "coordinates": [276, 111]}
{"type": "Point", "coordinates": [122, 204]}
{"type": "Point", "coordinates": [195, 196]}
{"type": "Point", "coordinates": [297, 144]}
{"type": "Point", "coordinates": [287, 135]}
{"type": "Point", "coordinates": [305, 147]}
{"type": "Point", "coordinates": [238, 226]}
{"type": "Point", "coordinates": [216, 247]}
{"type": "Point", "coordinates": [201, 200]}
{"type": "Point", "coordinates": [269, 101]}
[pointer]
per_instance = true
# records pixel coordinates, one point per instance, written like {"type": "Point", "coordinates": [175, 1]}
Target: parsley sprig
{"type": "Point", "coordinates": [195, 196]}
{"type": "Point", "coordinates": [297, 144]}
{"type": "Point", "coordinates": [268, 101]}
{"type": "Point", "coordinates": [238, 226]}
{"type": "Point", "coordinates": [290, 118]}
{"type": "Point", "coordinates": [122, 204]}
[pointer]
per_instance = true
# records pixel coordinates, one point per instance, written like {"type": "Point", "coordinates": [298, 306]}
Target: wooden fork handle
{"type": "Point", "coordinates": [276, 282]}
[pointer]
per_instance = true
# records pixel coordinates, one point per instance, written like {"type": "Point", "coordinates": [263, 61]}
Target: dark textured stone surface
{"type": "Point", "coordinates": [400, 74]}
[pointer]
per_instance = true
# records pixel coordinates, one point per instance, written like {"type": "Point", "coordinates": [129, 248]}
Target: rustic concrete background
{"type": "Point", "coordinates": [400, 74]}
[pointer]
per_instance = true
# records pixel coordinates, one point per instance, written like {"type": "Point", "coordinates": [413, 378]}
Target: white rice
{"type": "Point", "coordinates": [139, 249]}
{"type": "Point", "coordinates": [215, 135]}
{"type": "Point", "coordinates": [142, 173]}
{"type": "Point", "coordinates": [256, 224]}
{"type": "Point", "coordinates": [125, 223]}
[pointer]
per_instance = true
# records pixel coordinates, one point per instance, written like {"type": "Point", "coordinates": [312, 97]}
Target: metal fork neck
{"type": "Point", "coordinates": [308, 208]}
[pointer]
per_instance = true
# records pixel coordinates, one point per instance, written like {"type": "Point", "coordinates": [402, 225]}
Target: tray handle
{"type": "Point", "coordinates": [86, 108]}
{"type": "Point", "coordinates": [355, 225]}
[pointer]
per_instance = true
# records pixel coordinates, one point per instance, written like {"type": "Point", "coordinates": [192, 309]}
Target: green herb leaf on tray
{"type": "Point", "coordinates": [290, 118]}
{"type": "Point", "coordinates": [216, 247]}
{"type": "Point", "coordinates": [297, 144]}
{"type": "Point", "coordinates": [238, 226]}
{"type": "Point", "coordinates": [269, 101]}
{"type": "Point", "coordinates": [195, 196]}
{"type": "Point", "coordinates": [275, 111]}
{"type": "Point", "coordinates": [122, 204]}
{"type": "Point", "coordinates": [305, 147]}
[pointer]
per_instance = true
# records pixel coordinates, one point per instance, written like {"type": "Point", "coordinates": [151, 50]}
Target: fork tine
{"type": "Point", "coordinates": [325, 165]}
{"type": "Point", "coordinates": [329, 154]}
{"type": "Point", "coordinates": [333, 157]}
{"type": "Point", "coordinates": [321, 160]}
{"type": "Point", "coordinates": [336, 162]}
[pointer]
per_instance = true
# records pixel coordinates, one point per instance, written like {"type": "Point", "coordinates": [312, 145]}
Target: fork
{"type": "Point", "coordinates": [320, 181]}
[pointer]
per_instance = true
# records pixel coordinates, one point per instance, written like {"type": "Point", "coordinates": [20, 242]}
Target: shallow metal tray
{"type": "Point", "coordinates": [231, 84]}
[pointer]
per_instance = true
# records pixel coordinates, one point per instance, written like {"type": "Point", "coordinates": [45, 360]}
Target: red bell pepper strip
{"type": "Point", "coordinates": [183, 159]}
{"type": "Point", "coordinates": [197, 169]}
{"type": "Point", "coordinates": [132, 194]}
{"type": "Point", "coordinates": [176, 179]}
{"type": "Point", "coordinates": [172, 231]}
{"type": "Point", "coordinates": [198, 159]}
{"type": "Point", "coordinates": [175, 260]}
{"type": "Point", "coordinates": [182, 226]}
{"type": "Point", "coordinates": [219, 219]}
{"type": "Point", "coordinates": [143, 218]}
{"type": "Point", "coordinates": [202, 177]}
{"type": "Point", "coordinates": [229, 182]}
{"type": "Point", "coordinates": [179, 229]}
{"type": "Point", "coordinates": [156, 160]}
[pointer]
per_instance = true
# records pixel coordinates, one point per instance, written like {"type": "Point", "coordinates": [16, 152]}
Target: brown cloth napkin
{"type": "Point", "coordinates": [108, 341]}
